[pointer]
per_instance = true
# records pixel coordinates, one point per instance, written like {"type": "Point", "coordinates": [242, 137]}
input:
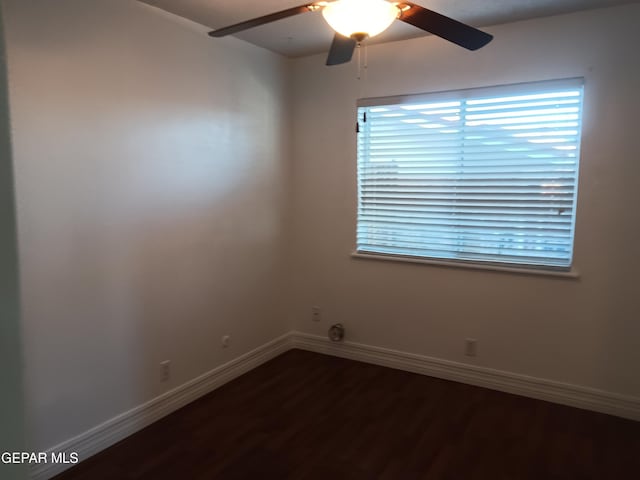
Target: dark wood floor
{"type": "Point", "coordinates": [309, 416]}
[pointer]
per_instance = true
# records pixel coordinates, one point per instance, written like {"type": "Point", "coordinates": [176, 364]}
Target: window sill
{"type": "Point", "coordinates": [573, 273]}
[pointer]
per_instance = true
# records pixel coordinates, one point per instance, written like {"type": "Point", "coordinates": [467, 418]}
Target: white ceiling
{"type": "Point", "coordinates": [308, 33]}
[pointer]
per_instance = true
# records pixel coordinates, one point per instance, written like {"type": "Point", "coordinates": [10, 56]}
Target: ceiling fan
{"type": "Point", "coordinates": [356, 20]}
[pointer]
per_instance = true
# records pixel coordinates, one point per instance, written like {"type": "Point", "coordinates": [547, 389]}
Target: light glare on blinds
{"type": "Point", "coordinates": [482, 176]}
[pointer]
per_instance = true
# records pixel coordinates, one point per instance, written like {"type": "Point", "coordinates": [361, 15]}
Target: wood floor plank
{"type": "Point", "coordinates": [309, 416]}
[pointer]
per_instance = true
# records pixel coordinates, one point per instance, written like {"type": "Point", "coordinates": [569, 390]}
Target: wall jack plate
{"type": "Point", "coordinates": [165, 370]}
{"type": "Point", "coordinates": [471, 347]}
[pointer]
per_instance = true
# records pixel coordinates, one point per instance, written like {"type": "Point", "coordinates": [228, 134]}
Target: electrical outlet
{"type": "Point", "coordinates": [471, 347]}
{"type": "Point", "coordinates": [315, 314]}
{"type": "Point", "coordinates": [226, 339]}
{"type": "Point", "coordinates": [165, 370]}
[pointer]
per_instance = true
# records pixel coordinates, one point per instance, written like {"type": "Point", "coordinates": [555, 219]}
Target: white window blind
{"type": "Point", "coordinates": [484, 175]}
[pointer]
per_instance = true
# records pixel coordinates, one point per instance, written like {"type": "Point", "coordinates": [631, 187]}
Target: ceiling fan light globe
{"type": "Point", "coordinates": [360, 17]}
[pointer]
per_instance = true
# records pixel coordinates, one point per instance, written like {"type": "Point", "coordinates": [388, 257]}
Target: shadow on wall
{"type": "Point", "coordinates": [12, 437]}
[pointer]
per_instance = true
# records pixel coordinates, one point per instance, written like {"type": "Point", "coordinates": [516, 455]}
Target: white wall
{"type": "Point", "coordinates": [585, 331]}
{"type": "Point", "coordinates": [11, 398]}
{"type": "Point", "coordinates": [151, 163]}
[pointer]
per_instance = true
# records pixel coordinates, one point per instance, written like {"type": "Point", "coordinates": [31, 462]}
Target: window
{"type": "Point", "coordinates": [485, 176]}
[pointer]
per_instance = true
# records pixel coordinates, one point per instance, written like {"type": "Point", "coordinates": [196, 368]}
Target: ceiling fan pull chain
{"type": "Point", "coordinates": [362, 68]}
{"type": "Point", "coordinates": [366, 58]}
{"type": "Point", "coordinates": [365, 65]}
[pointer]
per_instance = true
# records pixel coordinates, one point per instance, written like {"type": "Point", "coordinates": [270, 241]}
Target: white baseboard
{"type": "Point", "coordinates": [551, 391]}
{"type": "Point", "coordinates": [120, 427]}
{"type": "Point", "coordinates": [125, 424]}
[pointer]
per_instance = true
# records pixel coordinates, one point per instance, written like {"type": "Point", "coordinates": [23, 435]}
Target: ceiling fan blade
{"type": "Point", "coordinates": [256, 22]}
{"type": "Point", "coordinates": [341, 50]}
{"type": "Point", "coordinates": [459, 33]}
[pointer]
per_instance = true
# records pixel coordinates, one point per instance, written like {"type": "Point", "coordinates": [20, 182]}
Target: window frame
{"type": "Point", "coordinates": [524, 88]}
